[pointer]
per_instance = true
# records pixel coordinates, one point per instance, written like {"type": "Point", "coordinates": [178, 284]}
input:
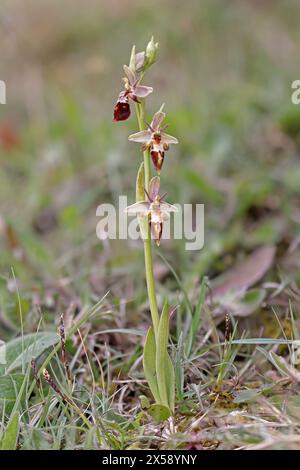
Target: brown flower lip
{"type": "Point", "coordinates": [155, 209]}
{"type": "Point", "coordinates": [133, 91]}
{"type": "Point", "coordinates": [122, 108]}
{"type": "Point", "coordinates": [155, 139]}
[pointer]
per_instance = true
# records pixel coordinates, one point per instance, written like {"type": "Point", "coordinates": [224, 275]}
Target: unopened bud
{"type": "Point", "coordinates": [151, 52]}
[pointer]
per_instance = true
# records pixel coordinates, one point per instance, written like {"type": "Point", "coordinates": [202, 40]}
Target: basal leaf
{"type": "Point", "coordinates": [159, 412]}
{"type": "Point", "coordinates": [150, 364]}
{"type": "Point", "coordinates": [162, 355]}
{"type": "Point", "coordinates": [8, 440]}
{"type": "Point", "coordinates": [179, 369]}
{"type": "Point", "coordinates": [10, 386]}
{"type": "Point", "coordinates": [170, 382]}
{"type": "Point", "coordinates": [21, 350]}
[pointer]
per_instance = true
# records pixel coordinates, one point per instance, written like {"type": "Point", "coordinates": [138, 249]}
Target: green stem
{"type": "Point", "coordinates": [140, 110]}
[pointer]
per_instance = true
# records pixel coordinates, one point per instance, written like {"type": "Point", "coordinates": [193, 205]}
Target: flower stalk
{"type": "Point", "coordinates": [140, 111]}
{"type": "Point", "coordinates": [152, 211]}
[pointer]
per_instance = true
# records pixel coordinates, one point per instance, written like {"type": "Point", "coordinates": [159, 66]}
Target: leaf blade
{"type": "Point", "coordinates": [21, 350]}
{"type": "Point", "coordinates": [10, 386]}
{"type": "Point", "coordinates": [170, 382]}
{"type": "Point", "coordinates": [149, 364]}
{"type": "Point", "coordinates": [10, 436]}
{"type": "Point", "coordinates": [161, 354]}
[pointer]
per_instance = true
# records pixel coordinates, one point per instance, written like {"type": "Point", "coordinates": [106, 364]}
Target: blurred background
{"type": "Point", "coordinates": [225, 72]}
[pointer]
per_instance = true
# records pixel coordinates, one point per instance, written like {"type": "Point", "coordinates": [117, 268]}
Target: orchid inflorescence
{"type": "Point", "coordinates": [152, 210]}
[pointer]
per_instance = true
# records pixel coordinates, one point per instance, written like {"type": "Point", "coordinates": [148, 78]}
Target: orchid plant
{"type": "Point", "coordinates": [152, 211]}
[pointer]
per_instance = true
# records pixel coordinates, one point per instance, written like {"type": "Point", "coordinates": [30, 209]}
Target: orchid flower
{"type": "Point", "coordinates": [155, 139]}
{"type": "Point", "coordinates": [133, 91]}
{"type": "Point", "coordinates": [155, 208]}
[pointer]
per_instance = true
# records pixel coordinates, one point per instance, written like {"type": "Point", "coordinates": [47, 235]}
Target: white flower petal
{"type": "Point", "coordinates": [165, 207]}
{"type": "Point", "coordinates": [154, 187]}
{"type": "Point", "coordinates": [168, 139]}
{"type": "Point", "coordinates": [139, 60]}
{"type": "Point", "coordinates": [141, 91]}
{"type": "Point", "coordinates": [142, 137]}
{"type": "Point", "coordinates": [157, 120]}
{"type": "Point", "coordinates": [139, 208]}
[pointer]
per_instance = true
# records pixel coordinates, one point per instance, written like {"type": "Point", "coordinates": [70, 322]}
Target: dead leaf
{"type": "Point", "coordinates": [243, 276]}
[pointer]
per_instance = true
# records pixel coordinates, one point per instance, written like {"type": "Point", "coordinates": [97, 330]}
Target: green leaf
{"type": "Point", "coordinates": [20, 351]}
{"type": "Point", "coordinates": [179, 369]}
{"type": "Point", "coordinates": [149, 364]}
{"type": "Point", "coordinates": [162, 363]}
{"type": "Point", "coordinates": [89, 439]}
{"type": "Point", "coordinates": [244, 396]}
{"type": "Point", "coordinates": [159, 412]}
{"type": "Point", "coordinates": [9, 438]}
{"type": "Point", "coordinates": [10, 386]}
{"type": "Point", "coordinates": [170, 382]}
{"type": "Point", "coordinates": [266, 341]}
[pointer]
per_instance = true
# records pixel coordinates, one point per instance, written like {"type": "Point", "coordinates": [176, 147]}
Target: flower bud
{"type": "Point", "coordinates": [141, 61]}
{"type": "Point", "coordinates": [151, 52]}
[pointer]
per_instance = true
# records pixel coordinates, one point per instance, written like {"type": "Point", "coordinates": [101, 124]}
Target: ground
{"type": "Point", "coordinates": [224, 73]}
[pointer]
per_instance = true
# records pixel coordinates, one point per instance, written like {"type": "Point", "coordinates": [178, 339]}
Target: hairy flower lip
{"type": "Point", "coordinates": [122, 108]}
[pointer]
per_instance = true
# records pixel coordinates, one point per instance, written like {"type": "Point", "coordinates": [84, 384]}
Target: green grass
{"type": "Point", "coordinates": [225, 72]}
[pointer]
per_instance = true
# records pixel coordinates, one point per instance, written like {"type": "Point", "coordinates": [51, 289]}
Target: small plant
{"type": "Point", "coordinates": [152, 211]}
